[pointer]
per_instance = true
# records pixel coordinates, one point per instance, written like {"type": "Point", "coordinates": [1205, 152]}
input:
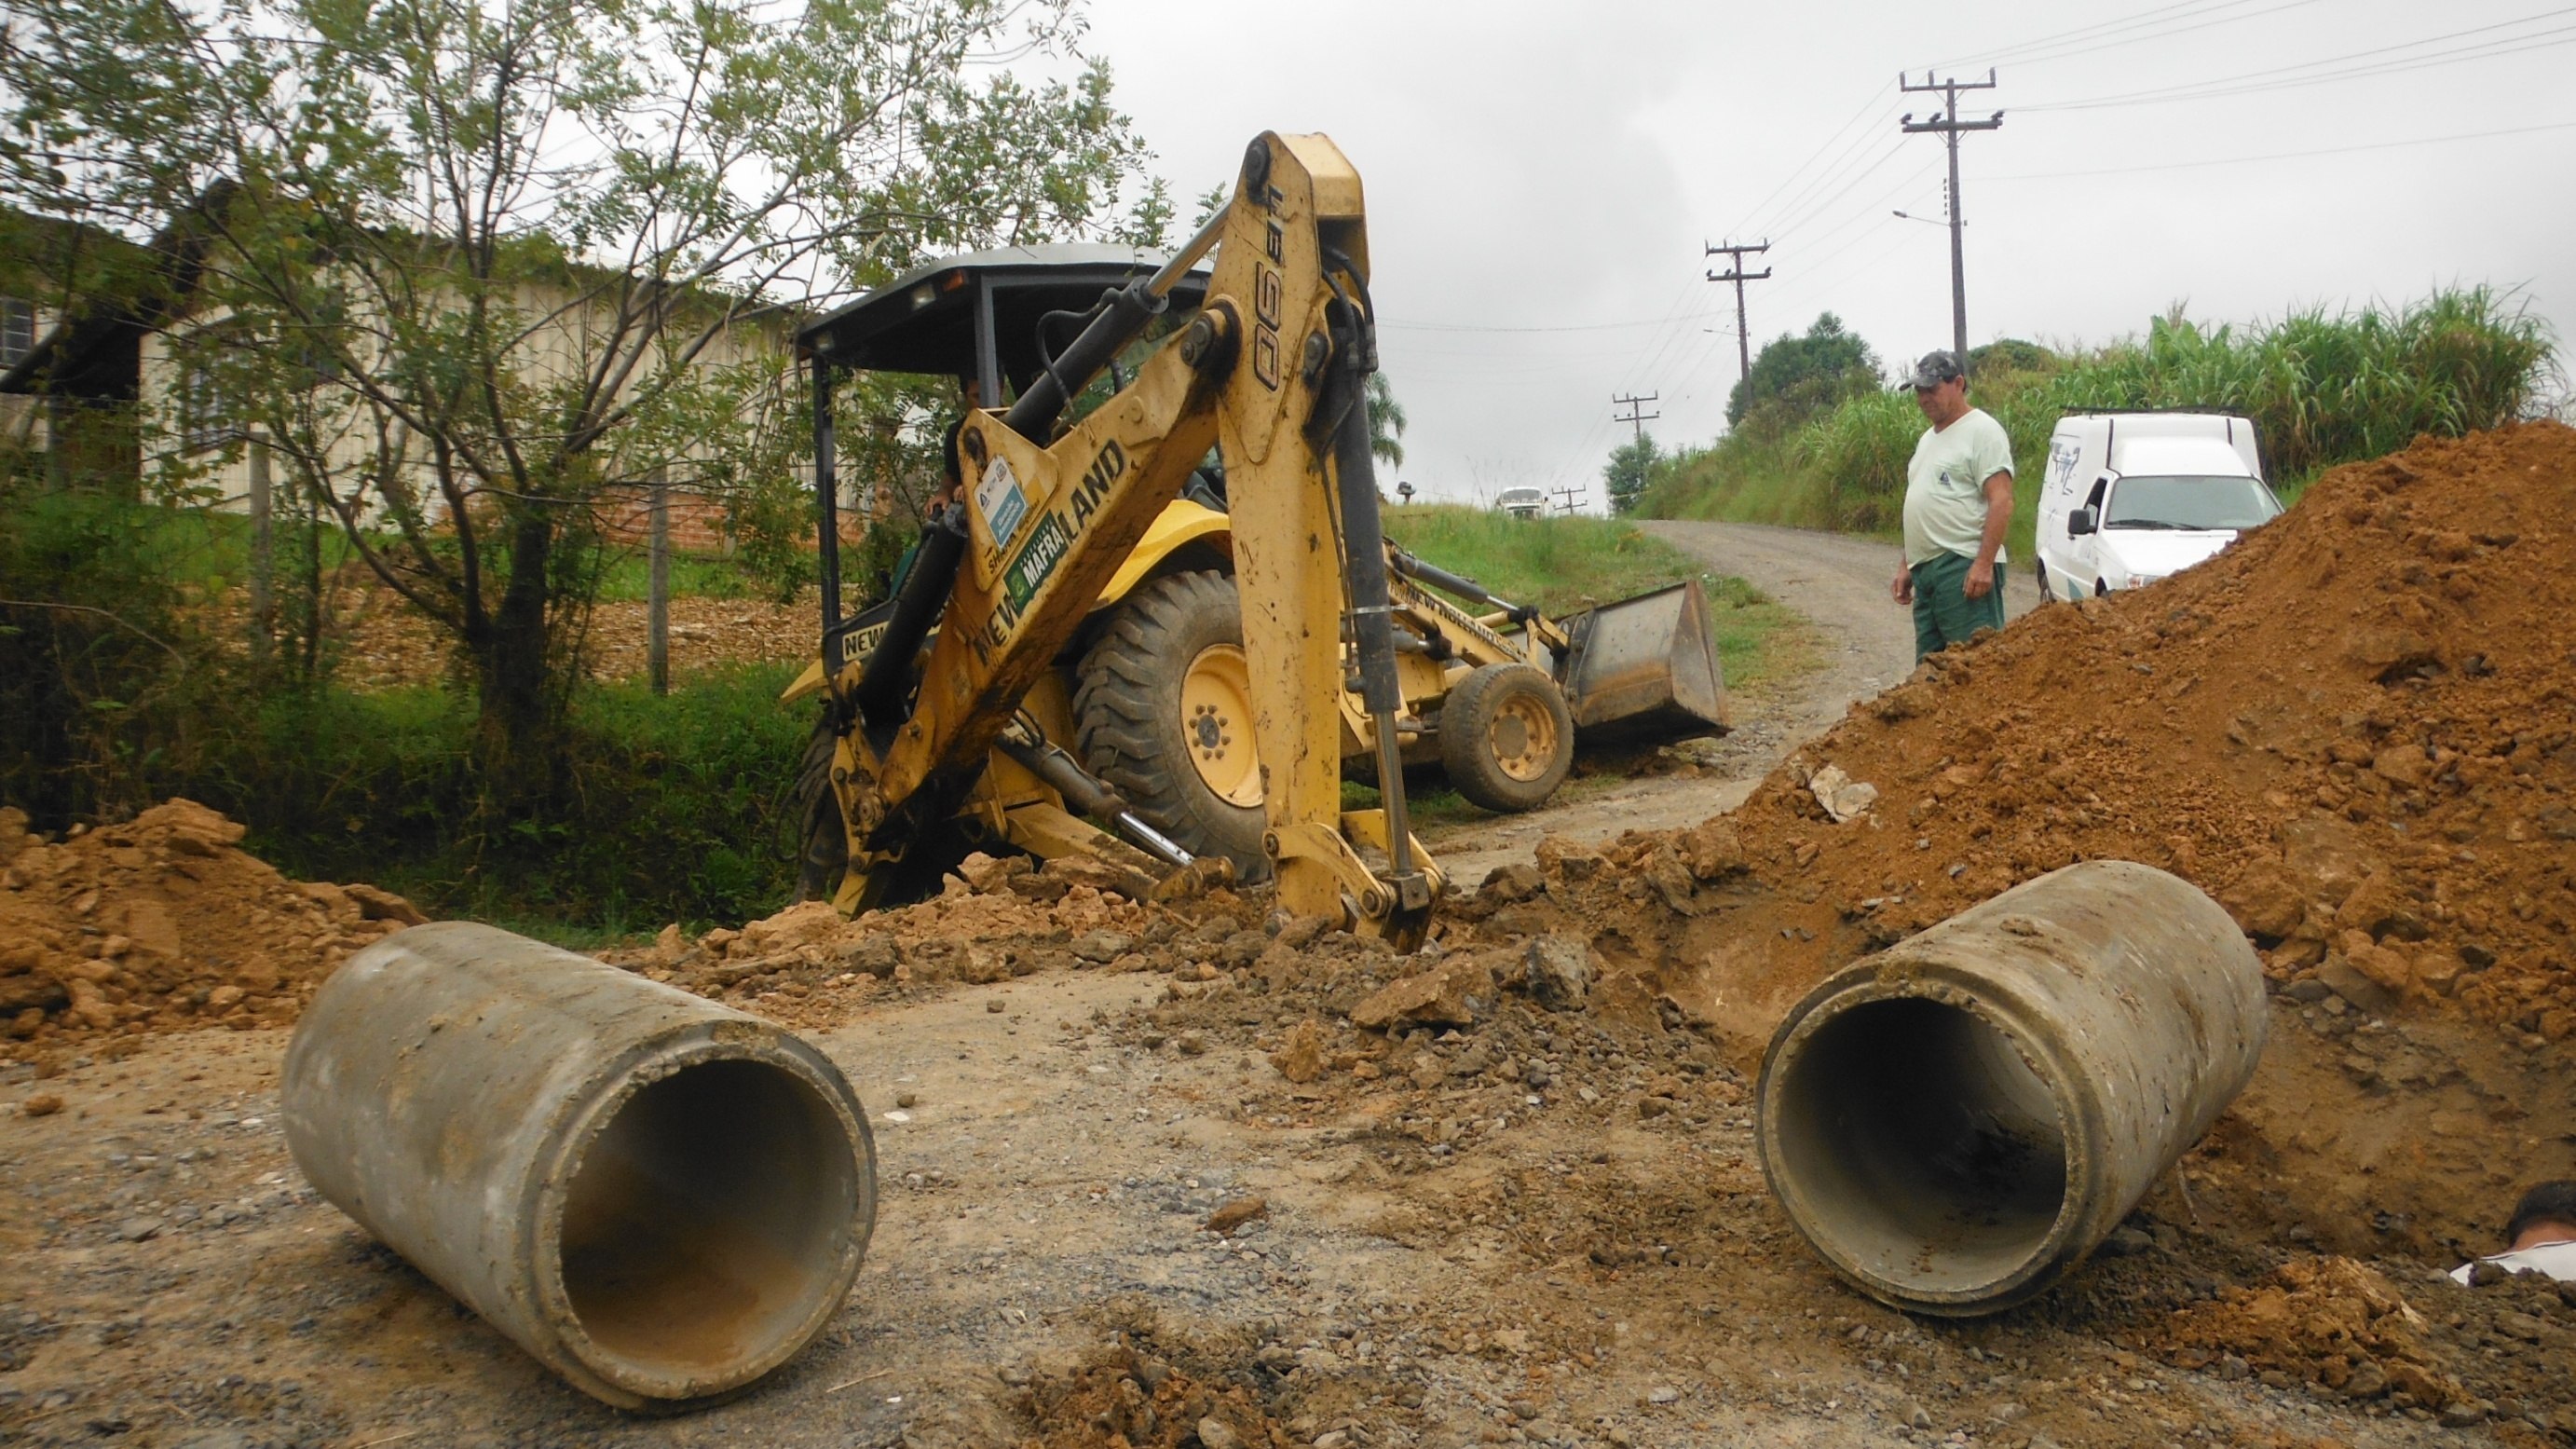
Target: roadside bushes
{"type": "Point", "coordinates": [675, 808]}
{"type": "Point", "coordinates": [103, 682]}
{"type": "Point", "coordinates": [2321, 388]}
{"type": "Point", "coordinates": [122, 684]}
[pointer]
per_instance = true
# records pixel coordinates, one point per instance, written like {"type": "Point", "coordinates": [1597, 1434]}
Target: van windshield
{"type": "Point", "coordinates": [2189, 503]}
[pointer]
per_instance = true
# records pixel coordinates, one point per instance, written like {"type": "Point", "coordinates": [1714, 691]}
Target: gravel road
{"type": "Point", "coordinates": [1861, 642]}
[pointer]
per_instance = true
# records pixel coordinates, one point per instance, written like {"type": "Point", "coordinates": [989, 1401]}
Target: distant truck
{"type": "Point", "coordinates": [1521, 502]}
{"type": "Point", "coordinates": [2129, 498]}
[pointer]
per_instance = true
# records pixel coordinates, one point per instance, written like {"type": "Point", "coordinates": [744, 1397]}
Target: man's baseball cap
{"type": "Point", "coordinates": [1935, 369]}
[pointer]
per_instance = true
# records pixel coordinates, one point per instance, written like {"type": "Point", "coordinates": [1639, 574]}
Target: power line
{"type": "Point", "coordinates": [2283, 77]}
{"type": "Point", "coordinates": [2152, 25]}
{"type": "Point", "coordinates": [1574, 327]}
{"type": "Point", "coordinates": [2284, 155]}
{"type": "Point", "coordinates": [1949, 127]}
{"type": "Point", "coordinates": [1857, 119]}
{"type": "Point", "coordinates": [2093, 31]}
{"type": "Point", "coordinates": [2070, 54]}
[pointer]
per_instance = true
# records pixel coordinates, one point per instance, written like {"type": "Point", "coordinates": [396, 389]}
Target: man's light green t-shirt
{"type": "Point", "coordinates": [1945, 486]}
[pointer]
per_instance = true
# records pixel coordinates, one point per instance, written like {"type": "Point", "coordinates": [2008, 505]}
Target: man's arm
{"type": "Point", "coordinates": [1999, 504]}
{"type": "Point", "coordinates": [1903, 589]}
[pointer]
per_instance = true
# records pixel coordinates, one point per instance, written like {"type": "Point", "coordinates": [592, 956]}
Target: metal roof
{"type": "Point", "coordinates": [924, 320]}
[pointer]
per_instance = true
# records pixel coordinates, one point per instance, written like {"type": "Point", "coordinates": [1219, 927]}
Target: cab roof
{"type": "Point", "coordinates": [925, 321]}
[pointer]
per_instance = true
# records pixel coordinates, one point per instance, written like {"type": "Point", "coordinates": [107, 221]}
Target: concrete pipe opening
{"type": "Point", "coordinates": [1928, 1153]}
{"type": "Point", "coordinates": [704, 1227]}
{"type": "Point", "coordinates": [1955, 1122]}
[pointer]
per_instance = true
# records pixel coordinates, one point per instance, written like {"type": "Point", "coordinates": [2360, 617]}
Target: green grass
{"type": "Point", "coordinates": [2321, 388]}
{"type": "Point", "coordinates": [628, 578]}
{"type": "Point", "coordinates": [1559, 563]}
{"type": "Point", "coordinates": [1567, 563]}
{"type": "Point", "coordinates": [677, 808]}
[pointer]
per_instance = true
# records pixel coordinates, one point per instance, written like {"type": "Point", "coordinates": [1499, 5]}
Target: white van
{"type": "Point", "coordinates": [1521, 502]}
{"type": "Point", "coordinates": [2131, 497]}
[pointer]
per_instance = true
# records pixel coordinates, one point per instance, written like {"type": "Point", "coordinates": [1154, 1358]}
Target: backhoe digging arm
{"type": "Point", "coordinates": [1273, 367]}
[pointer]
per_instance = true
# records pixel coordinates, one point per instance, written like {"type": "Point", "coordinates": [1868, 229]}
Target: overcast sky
{"type": "Point", "coordinates": [1549, 172]}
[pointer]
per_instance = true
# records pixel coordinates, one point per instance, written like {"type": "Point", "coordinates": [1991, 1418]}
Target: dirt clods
{"type": "Point", "coordinates": [163, 923]}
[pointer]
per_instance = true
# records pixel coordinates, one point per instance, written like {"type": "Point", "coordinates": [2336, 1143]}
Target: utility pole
{"type": "Point", "coordinates": [657, 608]}
{"type": "Point", "coordinates": [1735, 273]}
{"type": "Point", "coordinates": [1948, 125]}
{"type": "Point", "coordinates": [263, 567]}
{"type": "Point", "coordinates": [1570, 498]}
{"type": "Point", "coordinates": [1634, 417]}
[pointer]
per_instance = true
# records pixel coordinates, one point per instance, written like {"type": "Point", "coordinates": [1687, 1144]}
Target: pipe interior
{"type": "Point", "coordinates": [706, 1219]}
{"type": "Point", "coordinates": [1920, 1145]}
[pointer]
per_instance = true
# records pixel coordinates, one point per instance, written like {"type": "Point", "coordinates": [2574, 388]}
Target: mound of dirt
{"type": "Point", "coordinates": [161, 924]}
{"type": "Point", "coordinates": [2500, 1351]}
{"type": "Point", "coordinates": [997, 920]}
{"type": "Point", "coordinates": [1125, 1398]}
{"type": "Point", "coordinates": [2354, 728]}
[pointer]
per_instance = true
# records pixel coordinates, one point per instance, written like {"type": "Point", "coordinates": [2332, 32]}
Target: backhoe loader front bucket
{"type": "Point", "coordinates": [1647, 665]}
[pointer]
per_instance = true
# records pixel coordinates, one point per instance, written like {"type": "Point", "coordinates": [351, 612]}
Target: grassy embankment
{"type": "Point", "coordinates": [2321, 389]}
{"type": "Point", "coordinates": [677, 807]}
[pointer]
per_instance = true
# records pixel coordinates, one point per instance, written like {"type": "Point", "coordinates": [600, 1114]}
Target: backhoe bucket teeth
{"type": "Point", "coordinates": [1647, 665]}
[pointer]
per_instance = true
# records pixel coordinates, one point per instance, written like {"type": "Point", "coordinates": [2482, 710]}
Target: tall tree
{"type": "Point", "coordinates": [473, 267]}
{"type": "Point", "coordinates": [1797, 378]}
{"type": "Point", "coordinates": [1386, 421]}
{"type": "Point", "coordinates": [1630, 469]}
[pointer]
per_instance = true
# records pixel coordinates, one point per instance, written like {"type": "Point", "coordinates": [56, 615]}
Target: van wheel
{"type": "Point", "coordinates": [2041, 566]}
{"type": "Point", "coordinates": [1506, 737]}
{"type": "Point", "coordinates": [1163, 711]}
{"type": "Point", "coordinates": [2101, 589]}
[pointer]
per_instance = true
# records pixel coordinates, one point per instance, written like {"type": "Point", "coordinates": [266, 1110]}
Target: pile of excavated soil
{"type": "Point", "coordinates": [2357, 728]}
{"type": "Point", "coordinates": [807, 965]}
{"type": "Point", "coordinates": [162, 924]}
{"type": "Point", "coordinates": [2499, 1350]}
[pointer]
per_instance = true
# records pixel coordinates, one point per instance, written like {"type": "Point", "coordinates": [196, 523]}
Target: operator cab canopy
{"type": "Point", "coordinates": [976, 314]}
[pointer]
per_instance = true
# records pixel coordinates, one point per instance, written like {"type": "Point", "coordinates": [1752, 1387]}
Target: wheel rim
{"type": "Point", "coordinates": [1216, 721]}
{"type": "Point", "coordinates": [1523, 738]}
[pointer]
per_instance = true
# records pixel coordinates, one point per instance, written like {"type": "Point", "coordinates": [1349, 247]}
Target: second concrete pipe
{"type": "Point", "coordinates": [660, 1198]}
{"type": "Point", "coordinates": [1955, 1122]}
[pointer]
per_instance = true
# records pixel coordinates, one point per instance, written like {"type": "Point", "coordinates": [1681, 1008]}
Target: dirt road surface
{"type": "Point", "coordinates": [1549, 1229]}
{"type": "Point", "coordinates": [1861, 642]}
{"type": "Point", "coordinates": [1579, 1270]}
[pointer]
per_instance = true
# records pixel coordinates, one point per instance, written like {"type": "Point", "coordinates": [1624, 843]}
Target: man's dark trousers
{"type": "Point", "coordinates": [1943, 612]}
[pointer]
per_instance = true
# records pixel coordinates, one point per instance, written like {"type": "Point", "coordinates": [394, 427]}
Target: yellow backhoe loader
{"type": "Point", "coordinates": [1101, 627]}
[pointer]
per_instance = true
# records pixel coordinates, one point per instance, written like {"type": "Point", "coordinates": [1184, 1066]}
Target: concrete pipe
{"type": "Point", "coordinates": [1957, 1121]}
{"type": "Point", "coordinates": [660, 1198]}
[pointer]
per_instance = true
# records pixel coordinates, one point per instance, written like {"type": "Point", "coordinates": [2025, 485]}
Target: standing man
{"type": "Point", "coordinates": [1958, 502]}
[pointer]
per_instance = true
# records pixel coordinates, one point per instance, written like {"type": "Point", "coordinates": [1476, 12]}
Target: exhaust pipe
{"type": "Point", "coordinates": [659, 1198]}
{"type": "Point", "coordinates": [1955, 1123]}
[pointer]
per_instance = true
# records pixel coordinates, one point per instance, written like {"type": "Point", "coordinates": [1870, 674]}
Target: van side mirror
{"type": "Point", "coordinates": [2082, 521]}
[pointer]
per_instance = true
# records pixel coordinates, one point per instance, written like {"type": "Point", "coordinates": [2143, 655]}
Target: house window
{"type": "Point", "coordinates": [202, 423]}
{"type": "Point", "coordinates": [17, 330]}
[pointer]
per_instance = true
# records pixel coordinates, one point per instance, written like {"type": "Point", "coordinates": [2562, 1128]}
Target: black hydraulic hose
{"type": "Point", "coordinates": [1124, 315]}
{"type": "Point", "coordinates": [917, 604]}
{"type": "Point", "coordinates": [1416, 567]}
{"type": "Point", "coordinates": [1372, 622]}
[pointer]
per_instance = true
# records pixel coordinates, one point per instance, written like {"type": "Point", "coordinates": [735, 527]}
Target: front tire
{"type": "Point", "coordinates": [1163, 713]}
{"type": "Point", "coordinates": [1506, 737]}
{"type": "Point", "coordinates": [822, 842]}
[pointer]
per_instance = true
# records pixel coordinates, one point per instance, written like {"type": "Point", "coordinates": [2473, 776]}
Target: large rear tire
{"type": "Point", "coordinates": [822, 843]}
{"type": "Point", "coordinates": [1163, 713]}
{"type": "Point", "coordinates": [1506, 737]}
